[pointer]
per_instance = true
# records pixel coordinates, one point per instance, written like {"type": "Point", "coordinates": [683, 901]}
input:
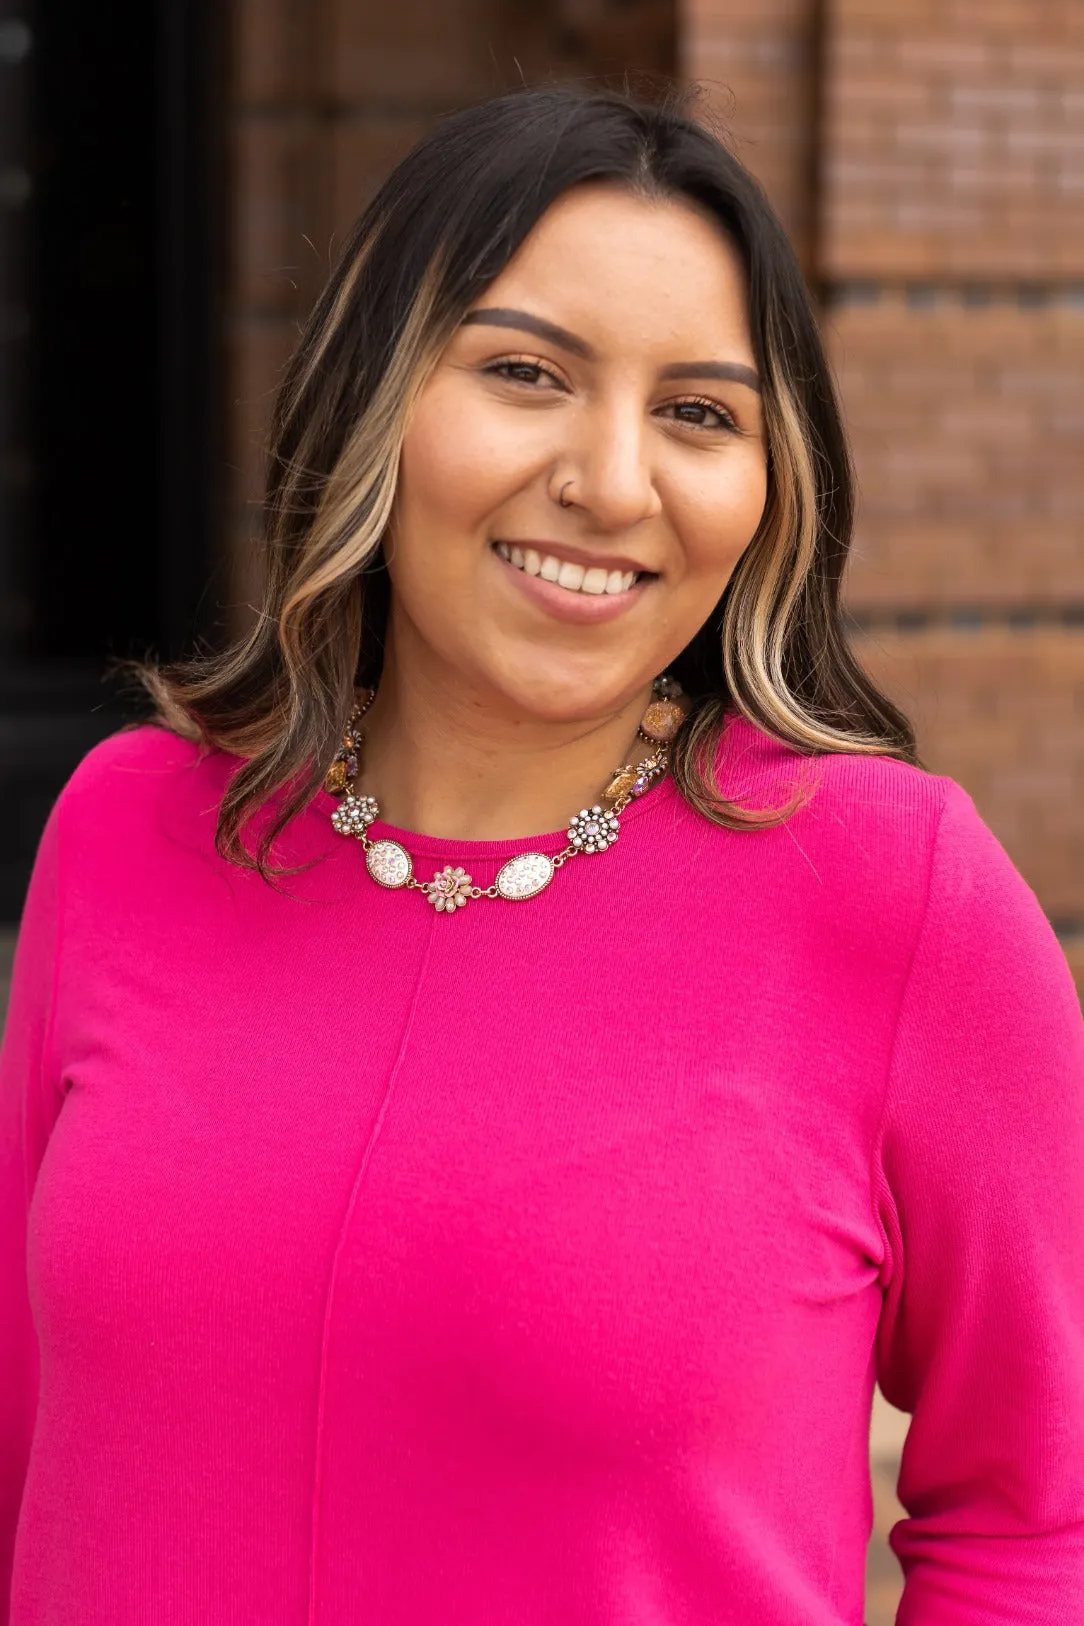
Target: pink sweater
{"type": "Point", "coordinates": [364, 1266]}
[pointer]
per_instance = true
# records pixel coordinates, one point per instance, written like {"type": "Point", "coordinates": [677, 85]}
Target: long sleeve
{"type": "Point", "coordinates": [29, 1102]}
{"type": "Point", "coordinates": [979, 1180]}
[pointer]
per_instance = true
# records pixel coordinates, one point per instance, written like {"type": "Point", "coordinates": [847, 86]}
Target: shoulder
{"type": "Point", "coordinates": [132, 755]}
{"type": "Point", "coordinates": [861, 793]}
{"type": "Point", "coordinates": [985, 935]}
{"type": "Point", "coordinates": [140, 764]}
{"type": "Point", "coordinates": [889, 829]}
{"type": "Point", "coordinates": [857, 815]}
{"type": "Point", "coordinates": [141, 812]}
{"type": "Point", "coordinates": [138, 788]}
{"type": "Point", "coordinates": [876, 847]}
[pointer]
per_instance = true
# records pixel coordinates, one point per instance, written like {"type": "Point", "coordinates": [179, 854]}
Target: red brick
{"type": "Point", "coordinates": [265, 39]}
{"type": "Point", "coordinates": [413, 54]}
{"type": "Point", "coordinates": [951, 138]}
{"type": "Point", "coordinates": [968, 430]}
{"type": "Point", "coordinates": [1002, 712]}
{"type": "Point", "coordinates": [758, 66]}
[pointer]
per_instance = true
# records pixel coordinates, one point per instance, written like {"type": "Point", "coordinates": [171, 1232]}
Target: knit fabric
{"type": "Point", "coordinates": [362, 1265]}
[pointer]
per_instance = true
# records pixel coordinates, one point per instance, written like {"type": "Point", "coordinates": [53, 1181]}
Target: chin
{"type": "Point", "coordinates": [567, 692]}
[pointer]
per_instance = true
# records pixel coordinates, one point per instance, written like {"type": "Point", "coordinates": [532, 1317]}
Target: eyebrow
{"type": "Point", "coordinates": [500, 316]}
{"type": "Point", "coordinates": [736, 371]}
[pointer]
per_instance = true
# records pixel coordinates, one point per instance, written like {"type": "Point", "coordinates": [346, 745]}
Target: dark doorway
{"type": "Point", "coordinates": [110, 265]}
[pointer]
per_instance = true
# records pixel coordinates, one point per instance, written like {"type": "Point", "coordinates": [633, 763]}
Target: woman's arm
{"type": "Point", "coordinates": [30, 1099]}
{"type": "Point", "coordinates": [979, 1178]}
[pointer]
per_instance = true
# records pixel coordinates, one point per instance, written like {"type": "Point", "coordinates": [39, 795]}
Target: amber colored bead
{"type": "Point", "coordinates": [661, 720]}
{"type": "Point", "coordinates": [336, 780]}
{"type": "Point", "coordinates": [620, 785]}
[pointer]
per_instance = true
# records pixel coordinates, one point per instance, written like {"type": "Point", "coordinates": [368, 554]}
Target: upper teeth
{"type": "Point", "coordinates": [574, 577]}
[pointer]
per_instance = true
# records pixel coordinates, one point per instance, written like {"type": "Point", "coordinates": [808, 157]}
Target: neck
{"type": "Point", "coordinates": [443, 762]}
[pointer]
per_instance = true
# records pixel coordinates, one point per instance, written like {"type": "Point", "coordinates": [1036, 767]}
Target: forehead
{"type": "Point", "coordinates": [618, 268]}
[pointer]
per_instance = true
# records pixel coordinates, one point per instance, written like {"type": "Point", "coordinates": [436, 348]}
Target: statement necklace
{"type": "Point", "coordinates": [591, 830]}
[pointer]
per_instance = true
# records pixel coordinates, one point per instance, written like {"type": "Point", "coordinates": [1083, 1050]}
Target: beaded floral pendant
{"type": "Point", "coordinates": [354, 815]}
{"type": "Point", "coordinates": [449, 889]}
{"type": "Point", "coordinates": [592, 830]}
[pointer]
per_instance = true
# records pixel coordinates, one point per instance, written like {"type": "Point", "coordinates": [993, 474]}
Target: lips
{"type": "Point", "coordinates": [595, 580]}
{"type": "Point", "coordinates": [582, 605]}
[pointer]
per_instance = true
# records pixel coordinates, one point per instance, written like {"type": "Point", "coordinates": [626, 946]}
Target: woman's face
{"type": "Point", "coordinates": [612, 358]}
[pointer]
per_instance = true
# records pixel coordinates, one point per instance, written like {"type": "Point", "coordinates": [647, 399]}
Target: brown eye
{"type": "Point", "coordinates": [520, 372]}
{"type": "Point", "coordinates": [702, 415]}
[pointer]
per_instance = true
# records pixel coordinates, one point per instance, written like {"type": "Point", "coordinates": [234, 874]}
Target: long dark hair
{"type": "Point", "coordinates": [442, 227]}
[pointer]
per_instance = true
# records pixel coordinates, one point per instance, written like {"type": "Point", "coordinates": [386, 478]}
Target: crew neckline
{"type": "Point", "coordinates": [447, 847]}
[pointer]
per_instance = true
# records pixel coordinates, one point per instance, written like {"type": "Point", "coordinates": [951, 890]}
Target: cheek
{"type": "Point", "coordinates": [457, 466]}
{"type": "Point", "coordinates": [716, 517]}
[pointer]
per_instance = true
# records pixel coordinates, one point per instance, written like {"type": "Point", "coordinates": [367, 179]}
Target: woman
{"type": "Point", "coordinates": [530, 1257]}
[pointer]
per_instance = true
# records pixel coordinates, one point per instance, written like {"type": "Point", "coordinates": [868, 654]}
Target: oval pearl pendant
{"type": "Point", "coordinates": [389, 864]}
{"type": "Point", "coordinates": [524, 876]}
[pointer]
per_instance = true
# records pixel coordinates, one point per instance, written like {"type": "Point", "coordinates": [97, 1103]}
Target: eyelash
{"type": "Point", "coordinates": [502, 369]}
{"type": "Point", "coordinates": [727, 423]}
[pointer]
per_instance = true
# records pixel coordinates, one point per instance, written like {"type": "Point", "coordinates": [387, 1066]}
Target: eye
{"type": "Point", "coordinates": [521, 370]}
{"type": "Point", "coordinates": [698, 413]}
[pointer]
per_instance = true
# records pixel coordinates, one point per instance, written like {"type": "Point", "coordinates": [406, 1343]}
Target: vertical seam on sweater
{"type": "Point", "coordinates": [374, 1136]}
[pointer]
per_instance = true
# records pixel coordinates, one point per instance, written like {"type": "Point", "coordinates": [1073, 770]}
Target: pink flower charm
{"type": "Point", "coordinates": [449, 889]}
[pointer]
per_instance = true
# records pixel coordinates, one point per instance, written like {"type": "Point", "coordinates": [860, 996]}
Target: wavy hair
{"type": "Point", "coordinates": [442, 227]}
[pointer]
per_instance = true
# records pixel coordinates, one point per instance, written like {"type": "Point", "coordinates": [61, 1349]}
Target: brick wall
{"type": "Point", "coordinates": [953, 138]}
{"type": "Point", "coordinates": [967, 421]}
{"type": "Point", "coordinates": [757, 64]}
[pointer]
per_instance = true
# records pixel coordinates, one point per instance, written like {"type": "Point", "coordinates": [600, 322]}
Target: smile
{"type": "Point", "coordinates": [573, 578]}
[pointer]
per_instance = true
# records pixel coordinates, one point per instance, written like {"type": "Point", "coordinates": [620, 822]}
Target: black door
{"type": "Point", "coordinates": [108, 352]}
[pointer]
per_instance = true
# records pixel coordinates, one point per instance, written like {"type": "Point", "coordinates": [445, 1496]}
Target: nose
{"type": "Point", "coordinates": [609, 464]}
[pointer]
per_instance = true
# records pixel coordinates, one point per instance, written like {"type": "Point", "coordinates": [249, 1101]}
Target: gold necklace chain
{"type": "Point", "coordinates": [592, 830]}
